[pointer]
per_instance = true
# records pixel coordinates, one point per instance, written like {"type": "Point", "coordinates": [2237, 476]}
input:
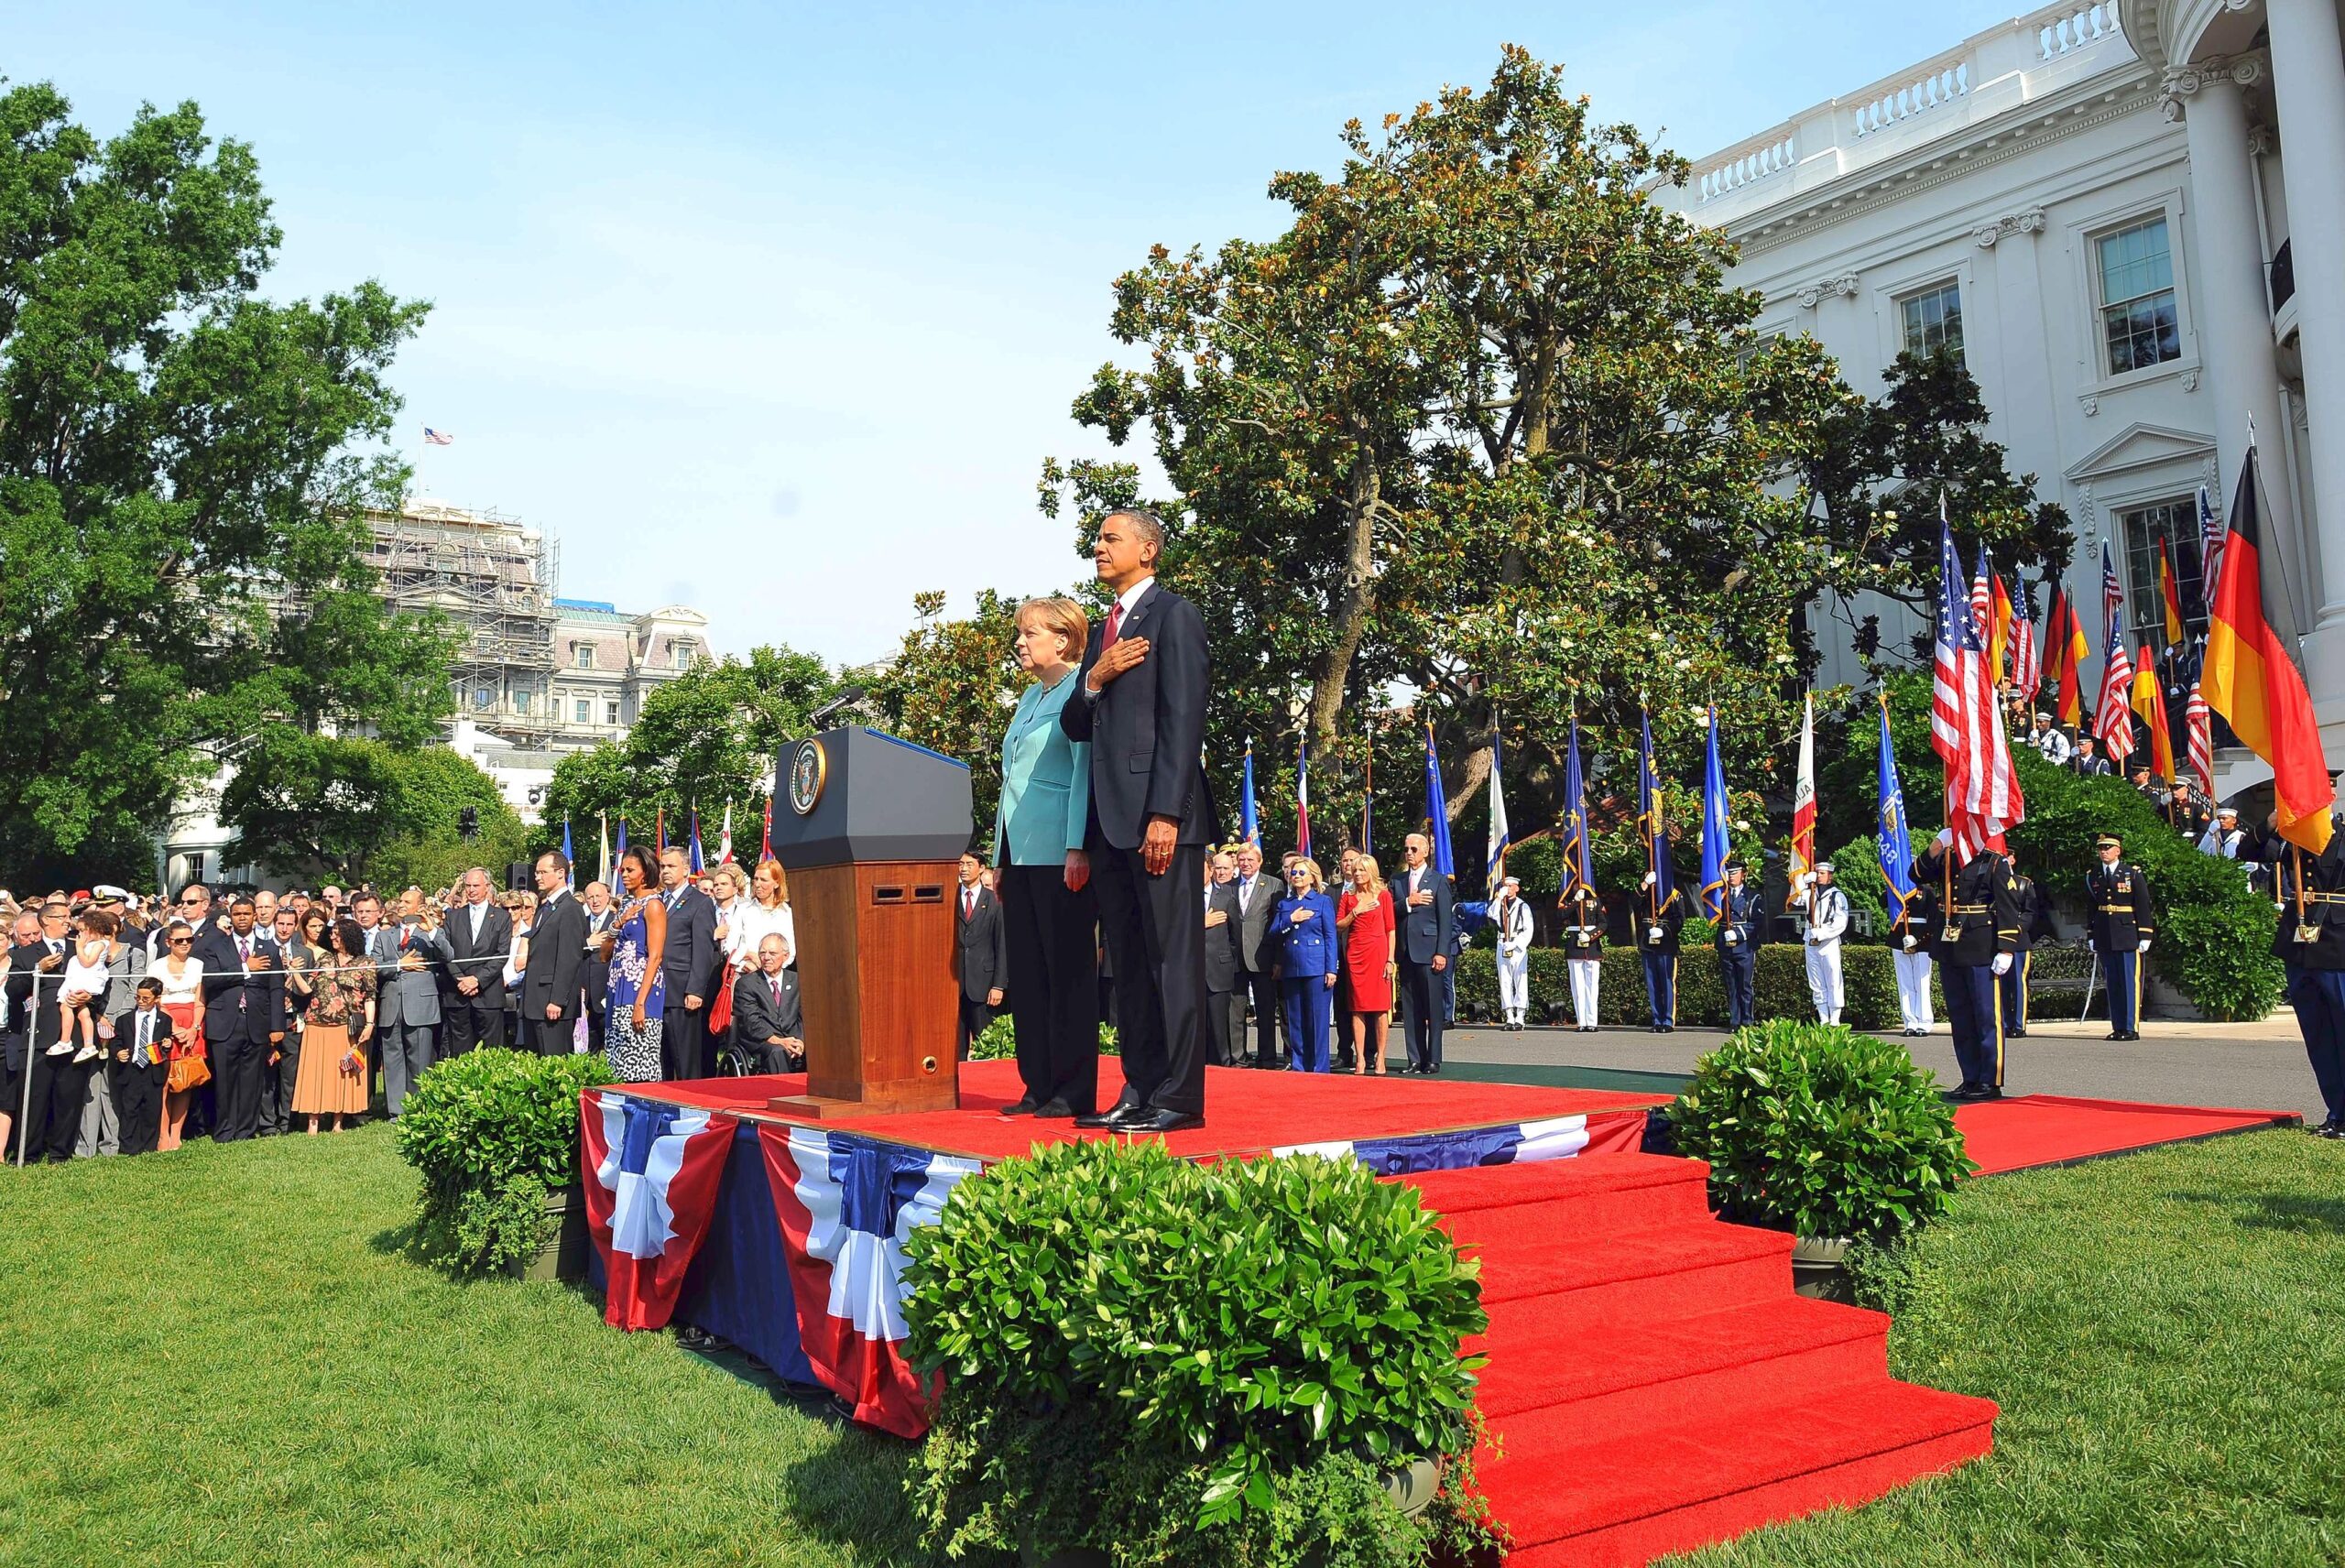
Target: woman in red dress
{"type": "Point", "coordinates": [1365, 917]}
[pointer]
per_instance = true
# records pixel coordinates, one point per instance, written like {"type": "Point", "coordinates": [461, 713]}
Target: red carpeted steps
{"type": "Point", "coordinates": [1652, 1381]}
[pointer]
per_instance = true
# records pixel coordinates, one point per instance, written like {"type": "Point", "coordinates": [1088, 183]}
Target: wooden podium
{"type": "Point", "coordinates": [870, 828]}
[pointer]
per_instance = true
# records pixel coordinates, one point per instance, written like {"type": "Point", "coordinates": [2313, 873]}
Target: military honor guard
{"type": "Point", "coordinates": [1657, 929]}
{"type": "Point", "coordinates": [2051, 742]}
{"type": "Point", "coordinates": [2122, 919]}
{"type": "Point", "coordinates": [1741, 920]}
{"type": "Point", "coordinates": [1826, 909]}
{"type": "Point", "coordinates": [1583, 935]}
{"type": "Point", "coordinates": [1977, 941]}
{"type": "Point", "coordinates": [1511, 916]}
{"type": "Point", "coordinates": [2034, 923]}
{"type": "Point", "coordinates": [2311, 948]}
{"type": "Point", "coordinates": [2223, 837]}
{"type": "Point", "coordinates": [1911, 939]}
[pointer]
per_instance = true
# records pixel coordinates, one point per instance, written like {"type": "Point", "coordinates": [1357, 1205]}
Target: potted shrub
{"type": "Point", "coordinates": [1823, 1132]}
{"type": "Point", "coordinates": [1201, 1365]}
{"type": "Point", "coordinates": [495, 1136]}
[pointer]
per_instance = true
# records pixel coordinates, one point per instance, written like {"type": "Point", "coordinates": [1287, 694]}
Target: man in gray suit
{"type": "Point", "coordinates": [1225, 1005]}
{"type": "Point", "coordinates": [1257, 896]}
{"type": "Point", "coordinates": [411, 960]}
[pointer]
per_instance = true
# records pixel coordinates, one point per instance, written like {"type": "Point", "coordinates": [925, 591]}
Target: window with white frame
{"type": "Point", "coordinates": [585, 653]}
{"type": "Point", "coordinates": [584, 712]}
{"type": "Point", "coordinates": [2144, 533]}
{"type": "Point", "coordinates": [611, 713]}
{"type": "Point", "coordinates": [2139, 326]}
{"type": "Point", "coordinates": [1931, 320]}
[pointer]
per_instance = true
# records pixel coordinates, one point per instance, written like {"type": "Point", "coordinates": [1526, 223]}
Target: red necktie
{"type": "Point", "coordinates": [1114, 622]}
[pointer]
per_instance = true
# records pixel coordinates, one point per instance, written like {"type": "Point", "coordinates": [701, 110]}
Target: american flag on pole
{"type": "Point", "coordinates": [2211, 534]}
{"type": "Point", "coordinates": [2027, 659]}
{"type": "Point", "coordinates": [2113, 720]}
{"type": "Point", "coordinates": [1982, 795]}
{"type": "Point", "coordinates": [437, 437]}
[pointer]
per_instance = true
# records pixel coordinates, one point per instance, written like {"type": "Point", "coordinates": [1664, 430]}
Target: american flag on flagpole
{"type": "Point", "coordinates": [1982, 795]}
{"type": "Point", "coordinates": [2198, 727]}
{"type": "Point", "coordinates": [2027, 660]}
{"type": "Point", "coordinates": [2211, 533]}
{"type": "Point", "coordinates": [2112, 722]}
{"type": "Point", "coordinates": [437, 437]}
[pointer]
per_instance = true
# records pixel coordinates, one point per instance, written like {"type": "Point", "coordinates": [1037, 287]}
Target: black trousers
{"type": "Point", "coordinates": [598, 1026]}
{"type": "Point", "coordinates": [684, 1041]}
{"type": "Point", "coordinates": [1054, 990]}
{"type": "Point", "coordinates": [138, 1104]}
{"type": "Point", "coordinates": [554, 1037]}
{"type": "Point", "coordinates": [974, 1015]}
{"type": "Point", "coordinates": [276, 1086]}
{"type": "Point", "coordinates": [466, 1021]}
{"type": "Point", "coordinates": [1269, 1013]}
{"type": "Point", "coordinates": [236, 1069]}
{"type": "Point", "coordinates": [1225, 1015]}
{"type": "Point", "coordinates": [28, 1104]}
{"type": "Point", "coordinates": [1739, 963]}
{"type": "Point", "coordinates": [1156, 943]}
{"type": "Point", "coordinates": [69, 1091]}
{"type": "Point", "coordinates": [1422, 1011]}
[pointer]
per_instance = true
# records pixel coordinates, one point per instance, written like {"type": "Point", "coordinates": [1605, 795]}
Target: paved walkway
{"type": "Point", "coordinates": [2258, 1065]}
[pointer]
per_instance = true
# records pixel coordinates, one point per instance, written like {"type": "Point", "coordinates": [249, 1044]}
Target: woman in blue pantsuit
{"type": "Point", "coordinates": [1310, 955]}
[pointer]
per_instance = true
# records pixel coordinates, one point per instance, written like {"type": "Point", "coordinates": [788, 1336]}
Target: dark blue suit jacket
{"type": "Point", "coordinates": [1428, 929]}
{"type": "Point", "coordinates": [1147, 730]}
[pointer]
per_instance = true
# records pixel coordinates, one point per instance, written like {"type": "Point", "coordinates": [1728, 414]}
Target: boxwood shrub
{"type": "Point", "coordinates": [1820, 1130]}
{"type": "Point", "coordinates": [997, 1041]}
{"type": "Point", "coordinates": [1204, 1364]}
{"type": "Point", "coordinates": [492, 1132]}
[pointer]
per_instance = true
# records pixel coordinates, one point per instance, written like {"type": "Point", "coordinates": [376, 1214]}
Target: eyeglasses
{"type": "Point", "coordinates": [183, 942]}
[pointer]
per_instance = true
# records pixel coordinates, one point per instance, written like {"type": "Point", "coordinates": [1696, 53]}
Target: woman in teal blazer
{"type": "Point", "coordinates": [1045, 878]}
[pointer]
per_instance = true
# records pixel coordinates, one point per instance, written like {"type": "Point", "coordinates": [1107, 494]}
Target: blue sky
{"type": "Point", "coordinates": [774, 311]}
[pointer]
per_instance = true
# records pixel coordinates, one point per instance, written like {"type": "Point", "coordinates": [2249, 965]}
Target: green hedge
{"type": "Point", "coordinates": [2214, 936]}
{"type": "Point", "coordinates": [491, 1133]}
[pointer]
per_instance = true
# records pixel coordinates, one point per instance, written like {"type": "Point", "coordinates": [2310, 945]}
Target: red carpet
{"type": "Point", "coordinates": [2052, 1130]}
{"type": "Point", "coordinates": [1655, 1384]}
{"type": "Point", "coordinates": [1248, 1112]}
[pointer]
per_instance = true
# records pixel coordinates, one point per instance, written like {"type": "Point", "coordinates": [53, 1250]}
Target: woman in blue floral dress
{"type": "Point", "coordinates": [637, 941]}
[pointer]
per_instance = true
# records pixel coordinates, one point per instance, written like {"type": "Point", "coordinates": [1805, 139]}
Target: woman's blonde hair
{"type": "Point", "coordinates": [1060, 614]}
{"type": "Point", "coordinates": [1366, 874]}
{"type": "Point", "coordinates": [1312, 874]}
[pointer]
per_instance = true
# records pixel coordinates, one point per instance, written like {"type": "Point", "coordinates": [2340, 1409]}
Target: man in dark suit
{"type": "Point", "coordinates": [1257, 956]}
{"type": "Point", "coordinates": [1428, 929]}
{"type": "Point", "coordinates": [687, 968]}
{"type": "Point", "coordinates": [243, 1001]}
{"type": "Point", "coordinates": [1225, 1006]}
{"type": "Point", "coordinates": [766, 1016]}
{"type": "Point", "coordinates": [1141, 705]}
{"type": "Point", "coordinates": [980, 953]}
{"type": "Point", "coordinates": [142, 1061]}
{"type": "Point", "coordinates": [596, 973]}
{"type": "Point", "coordinates": [36, 970]}
{"type": "Point", "coordinates": [550, 983]}
{"type": "Point", "coordinates": [480, 939]}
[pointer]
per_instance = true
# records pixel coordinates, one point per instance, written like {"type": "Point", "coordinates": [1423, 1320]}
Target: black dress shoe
{"type": "Point", "coordinates": [1158, 1122]}
{"type": "Point", "coordinates": [1111, 1119]}
{"type": "Point", "coordinates": [1053, 1111]}
{"type": "Point", "coordinates": [1024, 1107]}
{"type": "Point", "coordinates": [1433, 1068]}
{"type": "Point", "coordinates": [1989, 1092]}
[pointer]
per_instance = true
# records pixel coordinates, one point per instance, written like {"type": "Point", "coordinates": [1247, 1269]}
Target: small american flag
{"type": "Point", "coordinates": [2112, 718]}
{"type": "Point", "coordinates": [2197, 727]}
{"type": "Point", "coordinates": [2211, 548]}
{"type": "Point", "coordinates": [2027, 659]}
{"type": "Point", "coordinates": [1982, 795]}
{"type": "Point", "coordinates": [437, 437]}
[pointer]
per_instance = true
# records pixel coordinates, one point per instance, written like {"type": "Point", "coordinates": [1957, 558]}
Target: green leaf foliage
{"type": "Point", "coordinates": [1135, 1346]}
{"type": "Point", "coordinates": [491, 1133]}
{"type": "Point", "coordinates": [997, 1041]}
{"type": "Point", "coordinates": [1817, 1130]}
{"type": "Point", "coordinates": [350, 809]}
{"type": "Point", "coordinates": [952, 687]}
{"type": "Point", "coordinates": [183, 465]}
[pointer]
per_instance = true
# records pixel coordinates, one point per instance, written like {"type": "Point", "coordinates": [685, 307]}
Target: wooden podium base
{"type": "Point", "coordinates": [877, 1101]}
{"type": "Point", "coordinates": [875, 973]}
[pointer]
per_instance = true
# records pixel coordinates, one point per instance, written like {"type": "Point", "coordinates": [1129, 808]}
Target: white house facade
{"type": "Point", "coordinates": [2104, 208]}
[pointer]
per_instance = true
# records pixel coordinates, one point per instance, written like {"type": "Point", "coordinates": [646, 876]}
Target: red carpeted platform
{"type": "Point", "coordinates": [1654, 1383]}
{"type": "Point", "coordinates": [1248, 1112]}
{"type": "Point", "coordinates": [2053, 1129]}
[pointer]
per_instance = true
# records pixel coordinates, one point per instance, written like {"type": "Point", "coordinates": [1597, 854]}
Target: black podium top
{"type": "Point", "coordinates": [853, 795]}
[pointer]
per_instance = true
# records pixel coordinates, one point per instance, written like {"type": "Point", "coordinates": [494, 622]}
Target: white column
{"type": "Point", "coordinates": [2308, 80]}
{"type": "Point", "coordinates": [2234, 305]}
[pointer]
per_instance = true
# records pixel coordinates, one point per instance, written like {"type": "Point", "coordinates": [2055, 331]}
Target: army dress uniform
{"type": "Point", "coordinates": [1741, 922]}
{"type": "Point", "coordinates": [2122, 919]}
{"type": "Point", "coordinates": [2310, 890]}
{"type": "Point", "coordinates": [1657, 946]}
{"type": "Point", "coordinates": [2034, 925]}
{"type": "Point", "coordinates": [1976, 942]}
{"type": "Point", "coordinates": [1583, 939]}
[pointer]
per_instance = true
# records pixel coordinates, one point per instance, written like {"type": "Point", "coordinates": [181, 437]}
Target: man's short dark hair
{"type": "Point", "coordinates": [240, 901]}
{"type": "Point", "coordinates": [365, 896]}
{"type": "Point", "coordinates": [1151, 527]}
{"type": "Point", "coordinates": [152, 983]}
{"type": "Point", "coordinates": [560, 861]}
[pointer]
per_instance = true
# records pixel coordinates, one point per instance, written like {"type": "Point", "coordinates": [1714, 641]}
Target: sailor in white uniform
{"type": "Point", "coordinates": [1512, 918]}
{"type": "Point", "coordinates": [1828, 918]}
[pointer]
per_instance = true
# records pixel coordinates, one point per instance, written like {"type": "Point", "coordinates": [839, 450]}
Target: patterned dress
{"type": "Point", "coordinates": [339, 993]}
{"type": "Point", "coordinates": [634, 1052]}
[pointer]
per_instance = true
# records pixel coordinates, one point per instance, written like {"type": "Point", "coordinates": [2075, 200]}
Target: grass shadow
{"type": "Point", "coordinates": [851, 1492]}
{"type": "Point", "coordinates": [2274, 1211]}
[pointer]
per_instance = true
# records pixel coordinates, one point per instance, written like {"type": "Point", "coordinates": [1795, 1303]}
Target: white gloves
{"type": "Point", "coordinates": [1649, 881]}
{"type": "Point", "coordinates": [1731, 939]}
{"type": "Point", "coordinates": [1908, 943]}
{"type": "Point", "coordinates": [2002, 964]}
{"type": "Point", "coordinates": [1945, 838]}
{"type": "Point", "coordinates": [2144, 947]}
{"type": "Point", "coordinates": [1655, 934]}
{"type": "Point", "coordinates": [1804, 880]}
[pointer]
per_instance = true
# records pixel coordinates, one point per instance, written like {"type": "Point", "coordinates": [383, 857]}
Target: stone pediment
{"type": "Point", "coordinates": [2142, 446]}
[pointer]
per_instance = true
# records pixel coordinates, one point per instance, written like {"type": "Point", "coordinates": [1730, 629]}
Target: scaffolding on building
{"type": "Point", "coordinates": [494, 581]}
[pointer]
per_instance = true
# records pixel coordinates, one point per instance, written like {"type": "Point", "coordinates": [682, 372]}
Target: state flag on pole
{"type": "Point", "coordinates": [1303, 801]}
{"type": "Point", "coordinates": [651, 1190]}
{"type": "Point", "coordinates": [1803, 794]}
{"type": "Point", "coordinates": [1651, 812]}
{"type": "Point", "coordinates": [1437, 810]}
{"type": "Point", "coordinates": [1580, 860]}
{"type": "Point", "coordinates": [1893, 846]}
{"type": "Point", "coordinates": [2250, 677]}
{"type": "Point", "coordinates": [1494, 868]}
{"type": "Point", "coordinates": [1249, 823]}
{"type": "Point", "coordinates": [765, 844]}
{"type": "Point", "coordinates": [569, 857]}
{"type": "Point", "coordinates": [725, 840]}
{"type": "Point", "coordinates": [1718, 827]}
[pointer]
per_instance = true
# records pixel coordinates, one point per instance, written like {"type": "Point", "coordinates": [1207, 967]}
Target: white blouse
{"type": "Point", "coordinates": [751, 923]}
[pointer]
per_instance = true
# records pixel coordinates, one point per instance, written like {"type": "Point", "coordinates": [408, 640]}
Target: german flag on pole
{"type": "Point", "coordinates": [2149, 700]}
{"type": "Point", "coordinates": [2252, 681]}
{"type": "Point", "coordinates": [1999, 628]}
{"type": "Point", "coordinates": [2169, 594]}
{"type": "Point", "coordinates": [2065, 646]}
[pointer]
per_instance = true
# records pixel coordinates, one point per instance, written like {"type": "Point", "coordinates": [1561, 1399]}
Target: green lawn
{"type": "Point", "coordinates": [220, 1357]}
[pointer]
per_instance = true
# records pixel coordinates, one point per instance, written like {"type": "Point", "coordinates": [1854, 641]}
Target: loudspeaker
{"type": "Point", "coordinates": [518, 876]}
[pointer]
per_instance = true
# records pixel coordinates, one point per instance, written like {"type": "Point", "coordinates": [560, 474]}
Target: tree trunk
{"type": "Point", "coordinates": [1352, 603]}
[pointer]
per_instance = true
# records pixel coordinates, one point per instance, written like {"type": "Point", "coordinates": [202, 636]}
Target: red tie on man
{"type": "Point", "coordinates": [1115, 624]}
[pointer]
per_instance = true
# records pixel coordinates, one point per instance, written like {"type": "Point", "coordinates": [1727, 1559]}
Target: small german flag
{"type": "Point", "coordinates": [2251, 680]}
{"type": "Point", "coordinates": [2149, 700]}
{"type": "Point", "coordinates": [2170, 593]}
{"type": "Point", "coordinates": [1999, 628]}
{"type": "Point", "coordinates": [2065, 646]}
